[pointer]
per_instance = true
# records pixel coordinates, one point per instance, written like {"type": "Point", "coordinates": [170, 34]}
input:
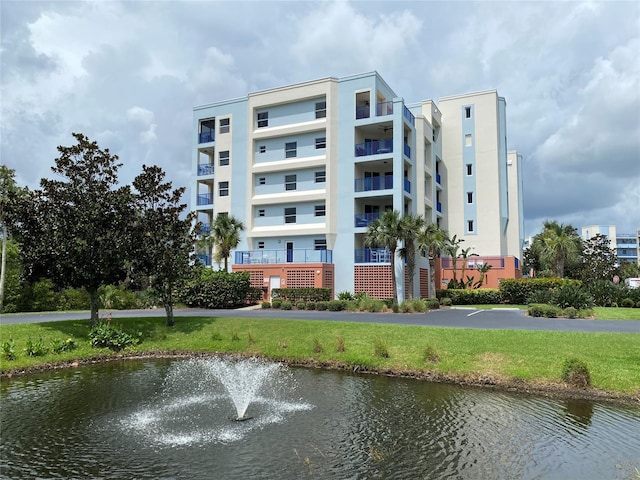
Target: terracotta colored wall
{"type": "Point", "coordinates": [292, 275]}
{"type": "Point", "coordinates": [492, 277]}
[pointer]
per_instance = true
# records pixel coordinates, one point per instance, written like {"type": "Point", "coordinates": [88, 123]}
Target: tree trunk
{"type": "Point", "coordinates": [93, 294]}
{"type": "Point", "coordinates": [3, 269]}
{"type": "Point", "coordinates": [432, 275]}
{"type": "Point", "coordinates": [168, 307]}
{"type": "Point", "coordinates": [393, 276]}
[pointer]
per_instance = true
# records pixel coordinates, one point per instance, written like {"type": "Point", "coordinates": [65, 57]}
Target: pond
{"type": "Point", "coordinates": [166, 419]}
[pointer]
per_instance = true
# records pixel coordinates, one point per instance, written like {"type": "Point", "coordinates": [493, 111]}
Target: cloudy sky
{"type": "Point", "coordinates": [128, 75]}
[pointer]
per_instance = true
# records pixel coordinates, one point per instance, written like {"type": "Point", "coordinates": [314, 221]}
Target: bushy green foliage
{"type": "Point", "coordinates": [311, 306]}
{"type": "Point", "coordinates": [254, 295]}
{"type": "Point", "coordinates": [482, 296]}
{"type": "Point", "coordinates": [8, 349]}
{"type": "Point", "coordinates": [570, 312]}
{"type": "Point", "coordinates": [300, 305]}
{"type": "Point", "coordinates": [446, 302]}
{"type": "Point", "coordinates": [321, 306]}
{"type": "Point", "coordinates": [576, 373]}
{"type": "Point", "coordinates": [339, 344]}
{"type": "Point", "coordinates": [380, 347]}
{"type": "Point", "coordinates": [302, 294]}
{"type": "Point", "coordinates": [336, 305]}
{"type": "Point", "coordinates": [36, 348]}
{"type": "Point", "coordinates": [543, 310]}
{"type": "Point", "coordinates": [405, 307]}
{"type": "Point", "coordinates": [59, 346]}
{"type": "Point", "coordinates": [345, 295]}
{"type": "Point", "coordinates": [432, 303]}
{"type": "Point", "coordinates": [540, 296]}
{"type": "Point", "coordinates": [430, 354]}
{"type": "Point", "coordinates": [317, 346]}
{"type": "Point", "coordinates": [516, 291]}
{"type": "Point", "coordinates": [276, 303]}
{"type": "Point", "coordinates": [286, 305]}
{"type": "Point", "coordinates": [107, 335]}
{"type": "Point", "coordinates": [627, 302]}
{"type": "Point", "coordinates": [215, 289]}
{"type": "Point", "coordinates": [571, 294]}
{"type": "Point", "coordinates": [265, 305]}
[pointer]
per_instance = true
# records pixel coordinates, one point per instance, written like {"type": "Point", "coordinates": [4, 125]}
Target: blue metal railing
{"type": "Point", "coordinates": [383, 182]}
{"type": "Point", "coordinates": [407, 151]}
{"type": "Point", "coordinates": [205, 228]}
{"type": "Point", "coordinates": [409, 116]}
{"type": "Point", "coordinates": [363, 111]}
{"type": "Point", "coordinates": [364, 219]}
{"type": "Point", "coordinates": [205, 198]}
{"type": "Point", "coordinates": [372, 255]}
{"type": "Point", "coordinates": [384, 108]}
{"type": "Point", "coordinates": [438, 179]}
{"type": "Point", "coordinates": [204, 259]}
{"type": "Point", "coordinates": [374, 147]}
{"type": "Point", "coordinates": [296, 255]}
{"type": "Point", "coordinates": [206, 137]}
{"type": "Point", "coordinates": [407, 185]}
{"type": "Point", "coordinates": [205, 169]}
{"type": "Point", "coordinates": [439, 207]}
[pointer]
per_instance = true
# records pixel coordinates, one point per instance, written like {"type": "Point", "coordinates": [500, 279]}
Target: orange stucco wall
{"type": "Point", "coordinates": [290, 275]}
{"type": "Point", "coordinates": [502, 267]}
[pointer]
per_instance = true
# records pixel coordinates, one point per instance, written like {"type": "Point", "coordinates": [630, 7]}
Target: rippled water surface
{"type": "Point", "coordinates": [160, 420]}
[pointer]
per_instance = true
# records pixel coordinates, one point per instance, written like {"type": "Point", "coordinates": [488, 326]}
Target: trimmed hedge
{"type": "Point", "coordinates": [295, 295]}
{"type": "Point", "coordinates": [216, 289]}
{"type": "Point", "coordinates": [517, 291]}
{"type": "Point", "coordinates": [481, 296]}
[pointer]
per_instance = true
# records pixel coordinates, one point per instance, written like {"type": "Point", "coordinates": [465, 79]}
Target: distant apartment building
{"type": "Point", "coordinates": [307, 167]}
{"type": "Point", "coordinates": [626, 245]}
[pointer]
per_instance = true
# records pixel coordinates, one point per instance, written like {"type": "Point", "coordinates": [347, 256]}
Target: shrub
{"type": "Point", "coordinates": [551, 311]}
{"type": "Point", "coordinates": [446, 302]}
{"type": "Point", "coordinates": [300, 305]}
{"type": "Point", "coordinates": [380, 348]}
{"type": "Point", "coordinates": [345, 295]}
{"type": "Point", "coordinates": [418, 305]}
{"type": "Point", "coordinates": [266, 305]}
{"type": "Point", "coordinates": [576, 373]}
{"type": "Point", "coordinates": [59, 346]}
{"type": "Point", "coordinates": [317, 346]}
{"type": "Point", "coordinates": [483, 296]}
{"type": "Point", "coordinates": [207, 288]}
{"type": "Point", "coordinates": [395, 307]}
{"type": "Point", "coordinates": [406, 307]}
{"type": "Point", "coordinates": [540, 296]}
{"type": "Point", "coordinates": [302, 294]}
{"type": "Point", "coordinates": [543, 310]}
{"type": "Point", "coordinates": [335, 305]}
{"type": "Point", "coordinates": [389, 302]}
{"type": "Point", "coordinates": [36, 348]}
{"type": "Point", "coordinates": [286, 305]}
{"type": "Point", "coordinates": [627, 302]}
{"type": "Point", "coordinates": [570, 294]}
{"type": "Point", "coordinates": [107, 335]}
{"type": "Point", "coordinates": [311, 306]}
{"type": "Point", "coordinates": [516, 291]}
{"type": "Point", "coordinates": [431, 355]}
{"type": "Point", "coordinates": [570, 312]}
{"type": "Point", "coordinates": [276, 303]}
{"type": "Point", "coordinates": [432, 303]}
{"type": "Point", "coordinates": [339, 344]}
{"type": "Point", "coordinates": [321, 306]}
{"type": "Point", "coordinates": [8, 350]}
{"type": "Point", "coordinates": [254, 295]}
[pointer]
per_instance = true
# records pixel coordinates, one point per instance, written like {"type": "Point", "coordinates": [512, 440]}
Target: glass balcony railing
{"type": "Point", "coordinates": [204, 259]}
{"type": "Point", "coordinates": [364, 219]}
{"type": "Point", "coordinates": [367, 184]}
{"type": "Point", "coordinates": [205, 169]}
{"type": "Point", "coordinates": [374, 147]}
{"type": "Point", "coordinates": [439, 207]}
{"type": "Point", "coordinates": [372, 255]}
{"type": "Point", "coordinates": [205, 198]}
{"type": "Point", "coordinates": [409, 116]}
{"type": "Point", "coordinates": [384, 108]}
{"type": "Point", "coordinates": [438, 179]}
{"type": "Point", "coordinates": [205, 228]}
{"type": "Point", "coordinates": [407, 185]}
{"type": "Point", "coordinates": [363, 111]}
{"type": "Point", "coordinates": [206, 137]}
{"type": "Point", "coordinates": [296, 255]}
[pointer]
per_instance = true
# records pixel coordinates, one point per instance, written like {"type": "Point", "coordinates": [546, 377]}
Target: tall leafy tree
{"type": "Point", "coordinates": [411, 226]}
{"type": "Point", "coordinates": [163, 240]}
{"type": "Point", "coordinates": [385, 232]}
{"type": "Point", "coordinates": [75, 230]}
{"type": "Point", "coordinates": [225, 233]}
{"type": "Point", "coordinates": [559, 244]}
{"type": "Point", "coordinates": [433, 241]}
{"type": "Point", "coordinates": [599, 260]}
{"type": "Point", "coordinates": [9, 195]}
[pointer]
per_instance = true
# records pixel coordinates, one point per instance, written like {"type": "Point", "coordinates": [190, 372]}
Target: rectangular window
{"type": "Point", "coordinates": [321, 177]}
{"type": "Point", "coordinates": [290, 149]}
{"type": "Point", "coordinates": [321, 109]}
{"type": "Point", "coordinates": [321, 143]}
{"type": "Point", "coordinates": [470, 225]}
{"type": "Point", "coordinates": [469, 169]}
{"type": "Point", "coordinates": [469, 197]}
{"type": "Point", "coordinates": [224, 158]}
{"type": "Point", "coordinates": [467, 112]}
{"type": "Point", "coordinates": [320, 210]}
{"type": "Point", "coordinates": [290, 215]}
{"type": "Point", "coordinates": [262, 181]}
{"type": "Point", "coordinates": [320, 244]}
{"type": "Point", "coordinates": [290, 182]}
{"type": "Point", "coordinates": [260, 244]}
{"type": "Point", "coordinates": [225, 123]}
{"type": "Point", "coordinates": [223, 188]}
{"type": "Point", "coordinates": [263, 119]}
{"type": "Point", "coordinates": [262, 148]}
{"type": "Point", "coordinates": [468, 140]}
{"type": "Point", "coordinates": [261, 212]}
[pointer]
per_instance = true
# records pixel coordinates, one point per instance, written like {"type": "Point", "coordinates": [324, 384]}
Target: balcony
{"type": "Point", "coordinates": [407, 151]}
{"type": "Point", "coordinates": [384, 108]}
{"type": "Point", "coordinates": [362, 111]}
{"type": "Point", "coordinates": [374, 147]}
{"type": "Point", "coordinates": [438, 179]}
{"type": "Point", "coordinates": [205, 228]}
{"type": "Point", "coordinates": [204, 259]}
{"type": "Point", "coordinates": [407, 185]}
{"type": "Point", "coordinates": [409, 116]}
{"type": "Point", "coordinates": [439, 207]}
{"type": "Point", "coordinates": [205, 169]}
{"type": "Point", "coordinates": [364, 219]}
{"type": "Point", "coordinates": [205, 199]}
{"type": "Point", "coordinates": [206, 137]}
{"type": "Point", "coordinates": [296, 255]}
{"type": "Point", "coordinates": [368, 184]}
{"type": "Point", "coordinates": [372, 255]}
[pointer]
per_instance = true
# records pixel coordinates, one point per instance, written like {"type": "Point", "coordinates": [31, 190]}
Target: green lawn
{"type": "Point", "coordinates": [601, 313]}
{"type": "Point", "coordinates": [504, 356]}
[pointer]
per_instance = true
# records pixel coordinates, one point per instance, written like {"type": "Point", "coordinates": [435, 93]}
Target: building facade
{"type": "Point", "coordinates": [307, 167]}
{"type": "Point", "coordinates": [626, 245]}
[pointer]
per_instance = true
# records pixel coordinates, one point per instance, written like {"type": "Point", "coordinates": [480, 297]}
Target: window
{"type": "Point", "coordinates": [223, 189]}
{"type": "Point", "coordinates": [320, 244]}
{"type": "Point", "coordinates": [262, 148]}
{"type": "Point", "coordinates": [290, 149]}
{"type": "Point", "coordinates": [261, 212]}
{"type": "Point", "coordinates": [262, 181]}
{"type": "Point", "coordinates": [468, 141]}
{"type": "Point", "coordinates": [263, 119]}
{"type": "Point", "coordinates": [469, 169]}
{"type": "Point", "coordinates": [321, 143]}
{"type": "Point", "coordinates": [260, 244]}
{"type": "Point", "coordinates": [467, 112]}
{"type": "Point", "coordinates": [224, 158]}
{"type": "Point", "coordinates": [290, 182]}
{"type": "Point", "coordinates": [321, 176]}
{"type": "Point", "coordinates": [469, 197]}
{"type": "Point", "coordinates": [290, 215]}
{"type": "Point", "coordinates": [470, 225]}
{"type": "Point", "coordinates": [321, 109]}
{"type": "Point", "coordinates": [224, 125]}
{"type": "Point", "coordinates": [320, 210]}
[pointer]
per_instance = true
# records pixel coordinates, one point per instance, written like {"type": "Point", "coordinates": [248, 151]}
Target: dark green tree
{"type": "Point", "coordinates": [599, 260]}
{"type": "Point", "coordinates": [9, 195]}
{"type": "Point", "coordinates": [557, 250]}
{"type": "Point", "coordinates": [163, 239]}
{"type": "Point", "coordinates": [385, 232]}
{"type": "Point", "coordinates": [432, 241]}
{"type": "Point", "coordinates": [75, 231]}
{"type": "Point", "coordinates": [411, 226]}
{"type": "Point", "coordinates": [225, 234]}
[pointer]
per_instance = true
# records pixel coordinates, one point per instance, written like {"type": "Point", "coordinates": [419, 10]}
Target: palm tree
{"type": "Point", "coordinates": [225, 233]}
{"type": "Point", "coordinates": [432, 241]}
{"type": "Point", "coordinates": [411, 226]}
{"type": "Point", "coordinates": [559, 243]}
{"type": "Point", "coordinates": [385, 232]}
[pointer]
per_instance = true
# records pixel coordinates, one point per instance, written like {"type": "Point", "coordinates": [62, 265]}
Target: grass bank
{"type": "Point", "coordinates": [524, 360]}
